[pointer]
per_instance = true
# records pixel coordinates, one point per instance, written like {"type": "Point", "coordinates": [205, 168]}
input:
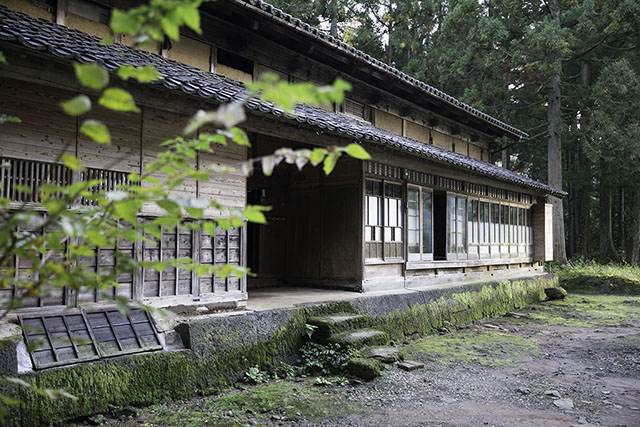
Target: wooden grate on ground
{"type": "Point", "coordinates": [65, 338]}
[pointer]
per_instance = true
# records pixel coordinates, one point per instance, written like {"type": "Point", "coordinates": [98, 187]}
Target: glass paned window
{"type": "Point", "coordinates": [427, 202]}
{"type": "Point", "coordinates": [393, 212]}
{"type": "Point", "coordinates": [513, 221]}
{"type": "Point", "coordinates": [484, 221]}
{"type": "Point", "coordinates": [413, 220]}
{"type": "Point", "coordinates": [373, 227]}
{"type": "Point", "coordinates": [419, 227]}
{"type": "Point", "coordinates": [495, 223]}
{"type": "Point", "coordinates": [451, 224]}
{"type": "Point", "coordinates": [461, 231]}
{"type": "Point", "coordinates": [504, 224]}
{"type": "Point", "coordinates": [456, 225]}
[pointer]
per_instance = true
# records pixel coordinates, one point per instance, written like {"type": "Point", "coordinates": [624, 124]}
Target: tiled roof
{"type": "Point", "coordinates": [63, 42]}
{"type": "Point", "coordinates": [296, 24]}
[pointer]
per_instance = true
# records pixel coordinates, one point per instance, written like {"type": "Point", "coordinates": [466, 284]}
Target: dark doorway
{"type": "Point", "coordinates": [311, 235]}
{"type": "Point", "coordinates": [439, 225]}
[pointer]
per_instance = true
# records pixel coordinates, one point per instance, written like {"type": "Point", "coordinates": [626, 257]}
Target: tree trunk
{"type": "Point", "coordinates": [584, 208]}
{"type": "Point", "coordinates": [583, 197]}
{"type": "Point", "coordinates": [607, 250]}
{"type": "Point", "coordinates": [633, 234]}
{"type": "Point", "coordinates": [554, 153]}
{"type": "Point", "coordinates": [333, 30]}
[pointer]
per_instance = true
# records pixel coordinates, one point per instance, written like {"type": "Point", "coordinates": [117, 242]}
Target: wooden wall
{"type": "Point", "coordinates": [45, 133]}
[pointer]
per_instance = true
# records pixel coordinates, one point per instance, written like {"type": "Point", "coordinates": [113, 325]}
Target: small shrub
{"type": "Point", "coordinates": [322, 381]}
{"type": "Point", "coordinates": [284, 370]}
{"type": "Point", "coordinates": [256, 376]}
{"type": "Point", "coordinates": [318, 359]}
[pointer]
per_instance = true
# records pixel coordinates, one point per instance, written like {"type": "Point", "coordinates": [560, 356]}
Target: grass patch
{"type": "Point", "coordinates": [585, 310]}
{"type": "Point", "coordinates": [592, 277]}
{"type": "Point", "coordinates": [294, 401]}
{"type": "Point", "coordinates": [487, 348]}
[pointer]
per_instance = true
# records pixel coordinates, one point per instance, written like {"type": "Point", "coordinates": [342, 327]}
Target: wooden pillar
{"type": "Point", "coordinates": [542, 232]}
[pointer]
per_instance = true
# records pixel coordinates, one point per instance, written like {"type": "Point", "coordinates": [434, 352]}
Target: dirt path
{"type": "Point", "coordinates": [569, 363]}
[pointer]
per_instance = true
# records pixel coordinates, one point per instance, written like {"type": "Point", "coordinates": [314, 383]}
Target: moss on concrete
{"type": "Point", "coordinates": [462, 308]}
{"type": "Point", "coordinates": [487, 348]}
{"type": "Point", "coordinates": [144, 379]}
{"type": "Point", "coordinates": [364, 368]}
{"type": "Point", "coordinates": [360, 338]}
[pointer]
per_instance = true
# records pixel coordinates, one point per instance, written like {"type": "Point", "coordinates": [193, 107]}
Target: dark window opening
{"type": "Point", "coordinates": [235, 61]}
{"type": "Point", "coordinates": [439, 225]}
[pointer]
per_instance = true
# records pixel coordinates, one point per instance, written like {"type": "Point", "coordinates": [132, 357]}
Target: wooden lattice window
{"type": "Point", "coordinates": [30, 174]}
{"type": "Point", "coordinates": [224, 248]}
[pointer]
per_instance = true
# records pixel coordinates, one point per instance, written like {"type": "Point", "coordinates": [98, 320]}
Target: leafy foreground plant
{"type": "Point", "coordinates": [318, 359]}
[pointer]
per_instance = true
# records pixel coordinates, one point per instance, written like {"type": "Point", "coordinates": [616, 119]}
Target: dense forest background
{"type": "Point", "coordinates": [565, 71]}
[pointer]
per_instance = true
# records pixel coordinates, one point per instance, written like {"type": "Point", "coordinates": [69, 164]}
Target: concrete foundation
{"type": "Point", "coordinates": [221, 347]}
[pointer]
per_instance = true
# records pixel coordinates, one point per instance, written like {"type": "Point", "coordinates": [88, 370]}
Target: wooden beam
{"type": "Point", "coordinates": [61, 12]}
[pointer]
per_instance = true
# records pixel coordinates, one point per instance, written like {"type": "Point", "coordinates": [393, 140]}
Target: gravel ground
{"type": "Point", "coordinates": [571, 363]}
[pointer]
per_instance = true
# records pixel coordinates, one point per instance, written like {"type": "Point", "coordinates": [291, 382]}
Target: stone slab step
{"type": "Point", "coordinates": [410, 365]}
{"type": "Point", "coordinates": [333, 324]}
{"type": "Point", "coordinates": [360, 338]}
{"type": "Point", "coordinates": [363, 368]}
{"type": "Point", "coordinates": [383, 354]}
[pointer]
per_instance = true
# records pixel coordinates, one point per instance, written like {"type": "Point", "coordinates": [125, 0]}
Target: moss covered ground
{"type": "Point", "coordinates": [592, 277]}
{"type": "Point", "coordinates": [281, 400]}
{"type": "Point", "coordinates": [585, 310]}
{"type": "Point", "coordinates": [484, 347]}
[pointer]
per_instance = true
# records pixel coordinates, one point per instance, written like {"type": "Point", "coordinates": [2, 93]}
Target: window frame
{"type": "Point", "coordinates": [458, 254]}
{"type": "Point", "coordinates": [421, 255]}
{"type": "Point", "coordinates": [384, 242]}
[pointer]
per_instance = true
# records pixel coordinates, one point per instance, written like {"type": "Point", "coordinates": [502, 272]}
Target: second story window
{"type": "Point", "coordinates": [356, 110]}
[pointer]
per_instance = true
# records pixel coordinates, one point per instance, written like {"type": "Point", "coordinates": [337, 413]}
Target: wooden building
{"type": "Point", "coordinates": [429, 207]}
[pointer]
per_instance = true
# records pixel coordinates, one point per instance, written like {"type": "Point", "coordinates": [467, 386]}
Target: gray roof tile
{"type": "Point", "coordinates": [75, 45]}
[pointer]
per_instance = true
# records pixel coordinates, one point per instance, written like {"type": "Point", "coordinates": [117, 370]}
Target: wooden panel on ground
{"type": "Point", "coordinates": [59, 339]}
{"type": "Point", "coordinates": [116, 333]}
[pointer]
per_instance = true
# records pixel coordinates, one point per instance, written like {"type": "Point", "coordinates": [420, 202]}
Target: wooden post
{"type": "Point", "coordinates": [542, 232]}
{"type": "Point", "coordinates": [61, 12]}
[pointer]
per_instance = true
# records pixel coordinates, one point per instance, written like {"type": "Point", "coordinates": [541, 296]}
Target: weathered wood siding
{"type": "Point", "coordinates": [33, 149]}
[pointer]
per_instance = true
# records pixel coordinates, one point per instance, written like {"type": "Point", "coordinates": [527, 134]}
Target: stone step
{"type": "Point", "coordinates": [383, 354]}
{"type": "Point", "coordinates": [410, 365]}
{"type": "Point", "coordinates": [326, 326]}
{"type": "Point", "coordinates": [360, 338]}
{"type": "Point", "coordinates": [364, 368]}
